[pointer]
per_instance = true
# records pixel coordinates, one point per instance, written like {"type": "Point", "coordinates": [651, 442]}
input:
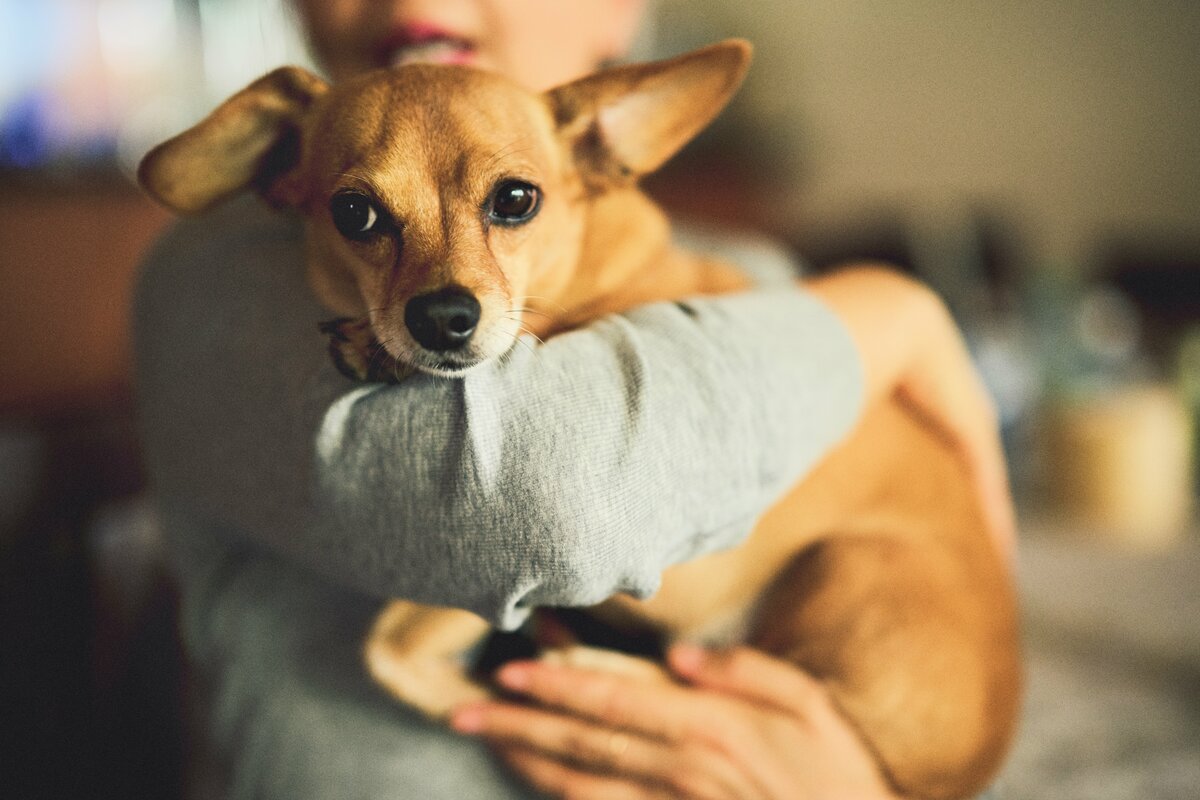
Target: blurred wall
{"type": "Point", "coordinates": [1080, 119]}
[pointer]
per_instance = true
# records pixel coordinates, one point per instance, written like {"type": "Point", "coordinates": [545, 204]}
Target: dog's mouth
{"type": "Point", "coordinates": [445, 367]}
{"type": "Point", "coordinates": [455, 364]}
{"type": "Point", "coordinates": [443, 364]}
{"type": "Point", "coordinates": [460, 362]}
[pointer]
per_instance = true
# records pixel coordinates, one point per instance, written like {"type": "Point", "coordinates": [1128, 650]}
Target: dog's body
{"type": "Point", "coordinates": [449, 209]}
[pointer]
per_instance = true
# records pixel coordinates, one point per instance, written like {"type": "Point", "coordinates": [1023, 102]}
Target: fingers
{"type": "Point", "coordinates": [747, 726]}
{"type": "Point", "coordinates": [560, 780]}
{"type": "Point", "coordinates": [555, 751]}
{"type": "Point", "coordinates": [752, 675]}
{"type": "Point", "coordinates": [656, 710]}
{"type": "Point", "coordinates": [655, 735]}
{"type": "Point", "coordinates": [805, 739]}
{"type": "Point", "coordinates": [570, 739]}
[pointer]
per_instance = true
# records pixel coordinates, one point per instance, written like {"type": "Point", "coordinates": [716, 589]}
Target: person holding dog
{"type": "Point", "coordinates": [234, 433]}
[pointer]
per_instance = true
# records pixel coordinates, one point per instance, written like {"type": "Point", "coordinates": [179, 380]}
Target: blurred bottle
{"type": "Point", "coordinates": [1187, 365]}
{"type": "Point", "coordinates": [1118, 438]}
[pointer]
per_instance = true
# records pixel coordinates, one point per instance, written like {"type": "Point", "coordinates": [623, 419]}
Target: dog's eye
{"type": "Point", "coordinates": [515, 202]}
{"type": "Point", "coordinates": [354, 214]}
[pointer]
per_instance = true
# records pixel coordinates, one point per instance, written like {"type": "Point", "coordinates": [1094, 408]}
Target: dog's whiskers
{"type": "Point", "coordinates": [517, 338]}
{"type": "Point", "coordinates": [522, 329]}
{"type": "Point", "coordinates": [380, 356]}
{"type": "Point", "coordinates": [527, 311]}
{"type": "Point", "coordinates": [397, 367]}
{"type": "Point", "coordinates": [506, 356]}
{"type": "Point", "coordinates": [560, 306]}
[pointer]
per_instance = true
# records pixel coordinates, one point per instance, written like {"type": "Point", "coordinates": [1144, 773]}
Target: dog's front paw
{"type": "Point", "coordinates": [431, 686]}
{"type": "Point", "coordinates": [358, 354]}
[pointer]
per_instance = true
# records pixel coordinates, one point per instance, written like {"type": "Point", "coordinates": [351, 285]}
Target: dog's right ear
{"type": "Point", "coordinates": [625, 122]}
{"type": "Point", "coordinates": [252, 139]}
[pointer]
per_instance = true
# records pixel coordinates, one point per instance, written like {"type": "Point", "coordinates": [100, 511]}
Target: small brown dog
{"type": "Point", "coordinates": [444, 206]}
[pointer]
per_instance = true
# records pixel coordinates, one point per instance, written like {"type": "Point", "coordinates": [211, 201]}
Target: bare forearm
{"type": "Point", "coordinates": [912, 350]}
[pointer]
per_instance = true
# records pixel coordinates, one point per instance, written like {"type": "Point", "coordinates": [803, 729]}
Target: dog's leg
{"type": "Point", "coordinates": [923, 668]}
{"type": "Point", "coordinates": [881, 580]}
{"type": "Point", "coordinates": [416, 653]}
{"type": "Point", "coordinates": [904, 606]}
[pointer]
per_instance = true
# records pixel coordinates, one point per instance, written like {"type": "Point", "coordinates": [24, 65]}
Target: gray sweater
{"type": "Point", "coordinates": [294, 499]}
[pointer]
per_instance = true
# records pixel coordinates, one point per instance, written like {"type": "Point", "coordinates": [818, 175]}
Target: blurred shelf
{"type": "Point", "coordinates": [69, 251]}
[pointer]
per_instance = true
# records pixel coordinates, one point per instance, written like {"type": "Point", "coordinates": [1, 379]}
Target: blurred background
{"type": "Point", "coordinates": [1036, 162]}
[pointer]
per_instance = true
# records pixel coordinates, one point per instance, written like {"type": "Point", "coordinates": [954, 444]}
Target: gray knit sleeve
{"type": "Point", "coordinates": [570, 471]}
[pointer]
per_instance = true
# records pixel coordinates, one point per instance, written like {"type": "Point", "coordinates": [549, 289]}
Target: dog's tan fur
{"type": "Point", "coordinates": [876, 573]}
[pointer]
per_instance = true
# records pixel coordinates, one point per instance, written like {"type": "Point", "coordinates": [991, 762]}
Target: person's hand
{"type": "Point", "coordinates": [913, 351]}
{"type": "Point", "coordinates": [737, 724]}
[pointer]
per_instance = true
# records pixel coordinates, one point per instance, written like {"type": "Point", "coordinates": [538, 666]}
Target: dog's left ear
{"type": "Point", "coordinates": [625, 122]}
{"type": "Point", "coordinates": [252, 140]}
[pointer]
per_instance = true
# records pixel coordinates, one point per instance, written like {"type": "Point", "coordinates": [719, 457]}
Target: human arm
{"type": "Point", "coordinates": [912, 349]}
{"type": "Point", "coordinates": [569, 472]}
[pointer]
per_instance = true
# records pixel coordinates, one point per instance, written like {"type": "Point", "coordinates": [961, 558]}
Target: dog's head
{"type": "Point", "coordinates": [443, 202]}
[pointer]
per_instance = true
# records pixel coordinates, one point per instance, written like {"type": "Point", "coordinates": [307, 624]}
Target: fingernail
{"type": "Point", "coordinates": [467, 720]}
{"type": "Point", "coordinates": [687, 658]}
{"type": "Point", "coordinates": [516, 677]}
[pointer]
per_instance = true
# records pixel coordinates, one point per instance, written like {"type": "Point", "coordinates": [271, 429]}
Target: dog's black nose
{"type": "Point", "coordinates": [442, 320]}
